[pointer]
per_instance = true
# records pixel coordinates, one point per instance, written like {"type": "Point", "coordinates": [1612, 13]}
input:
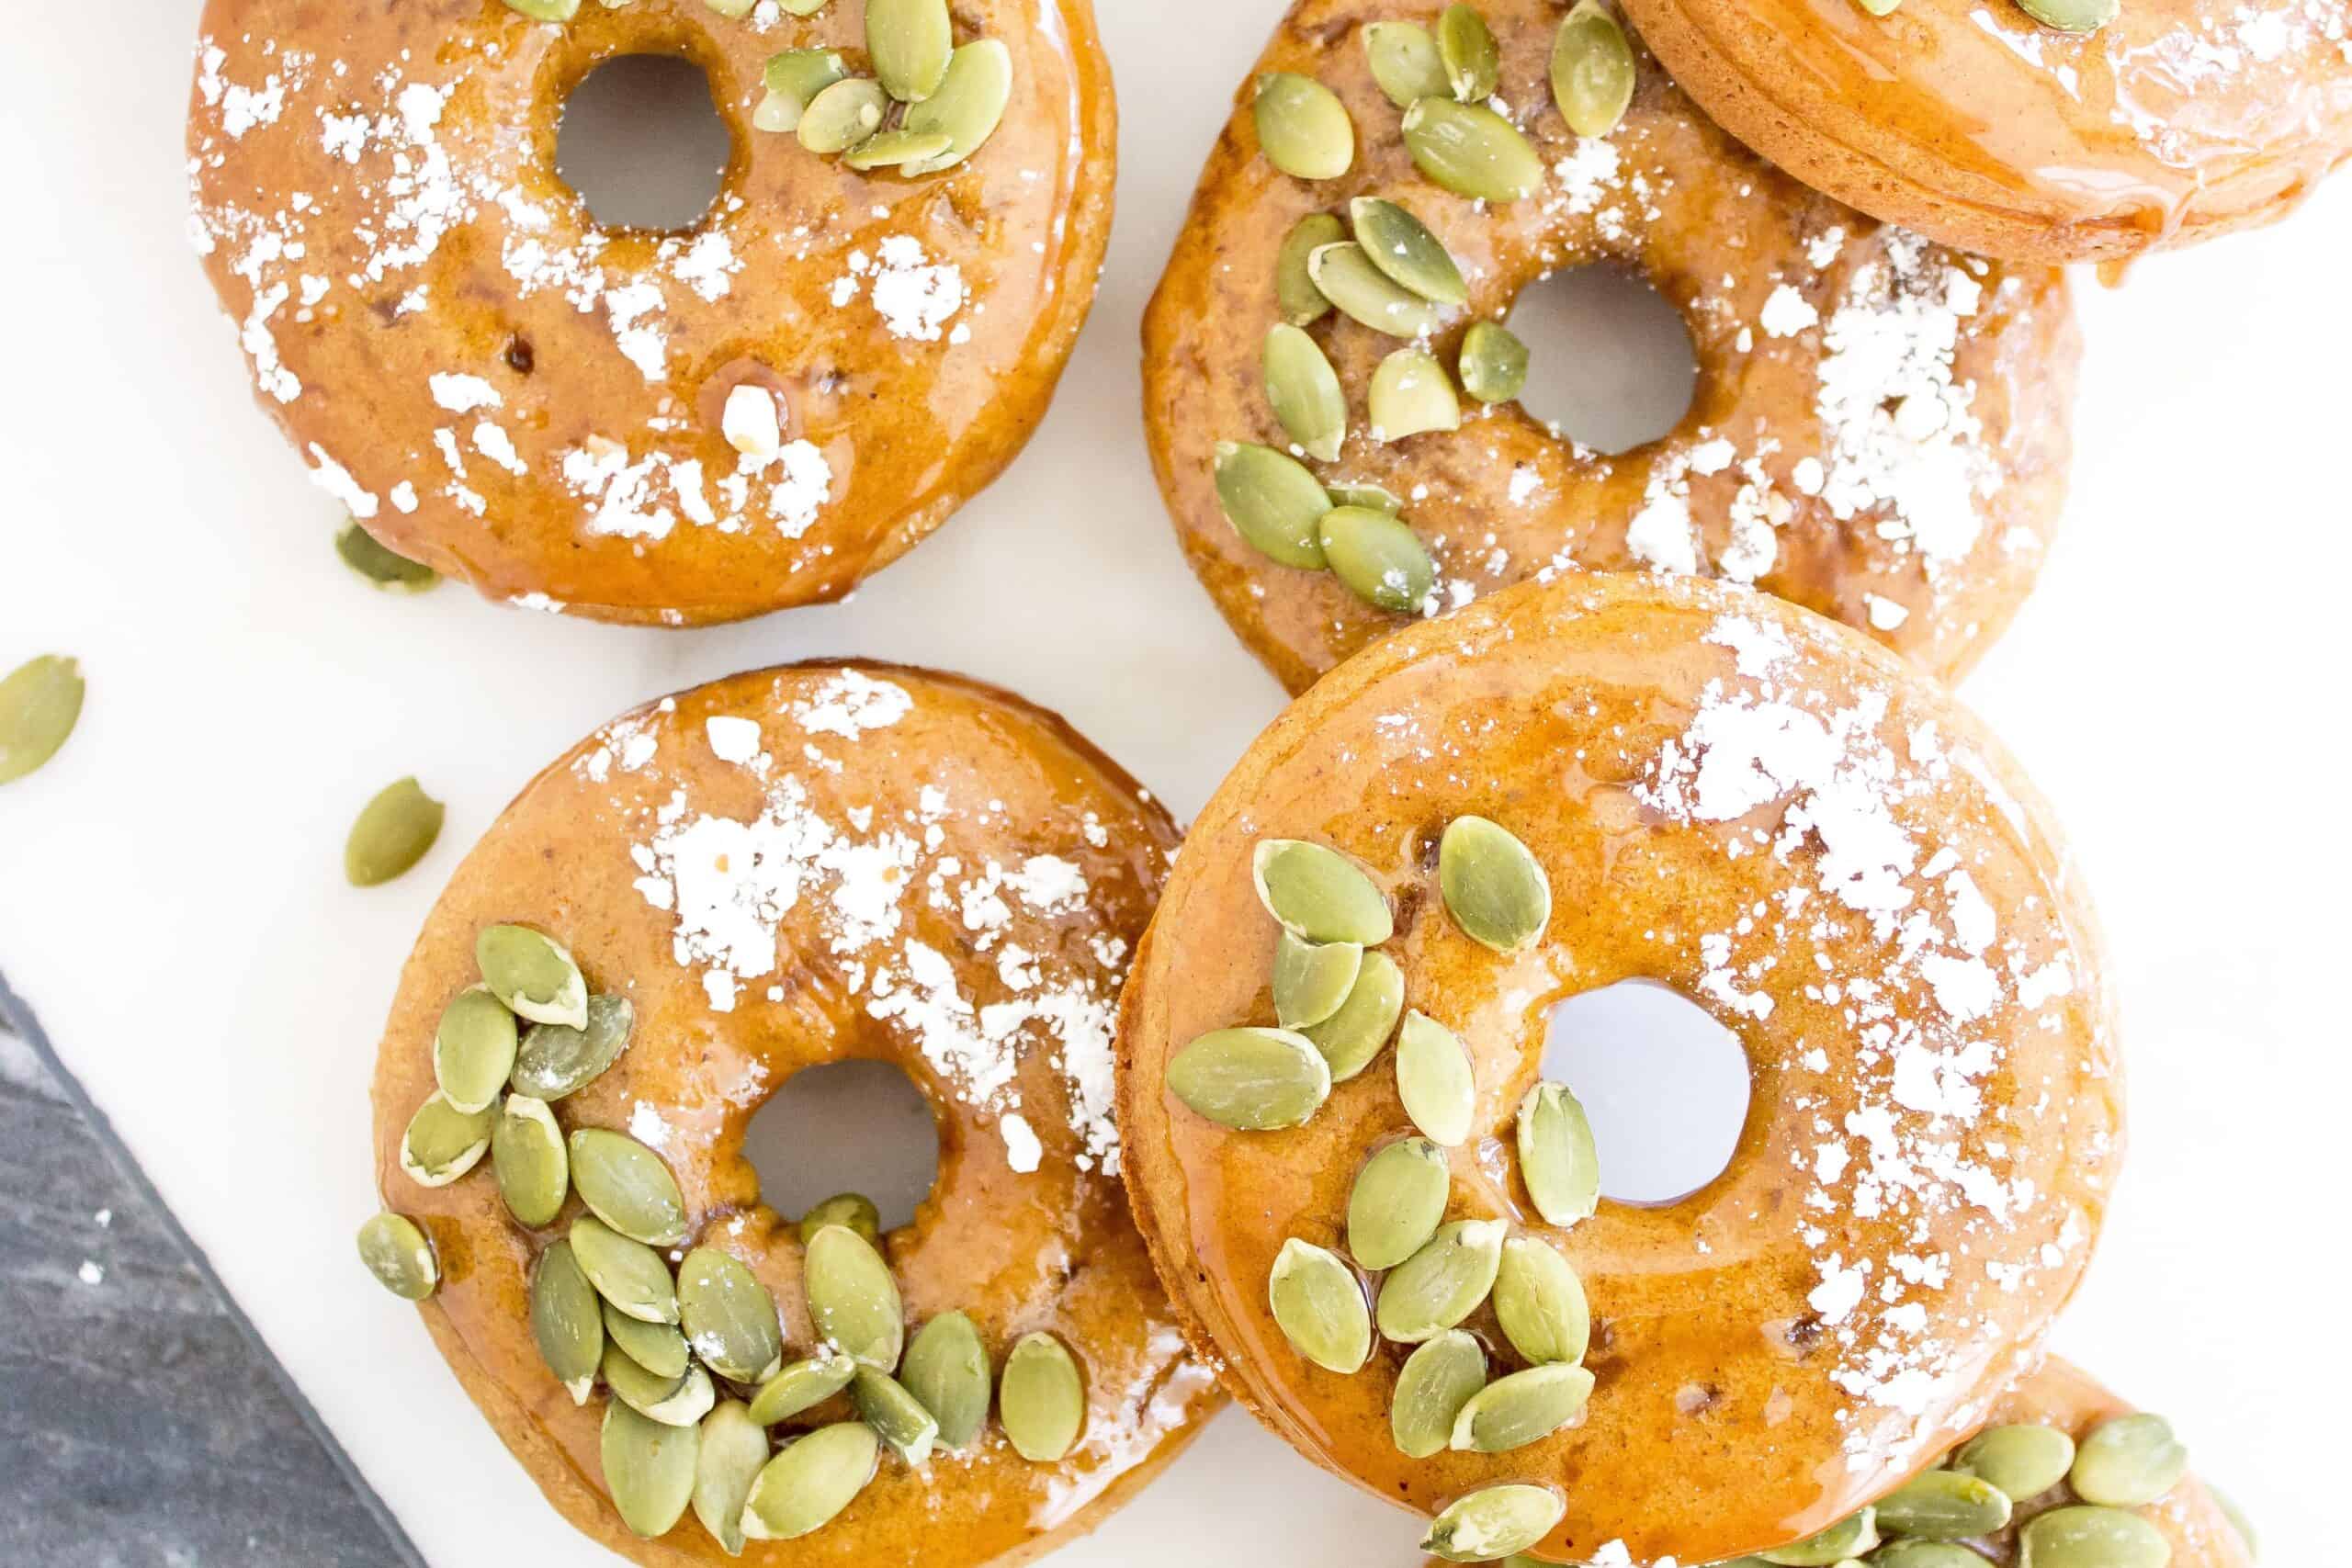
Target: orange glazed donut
{"type": "Point", "coordinates": [1718, 792]}
{"type": "Point", "coordinates": [677, 427]}
{"type": "Point", "coordinates": [1881, 427]}
{"type": "Point", "coordinates": [779, 870]}
{"type": "Point", "coordinates": [2172, 121]}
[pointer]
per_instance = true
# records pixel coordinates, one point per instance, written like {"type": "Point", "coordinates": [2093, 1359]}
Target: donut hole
{"type": "Point", "coordinates": [1610, 361]}
{"type": "Point", "coordinates": [1664, 1085]}
{"type": "Point", "coordinates": [845, 1127]}
{"type": "Point", "coordinates": [641, 142]}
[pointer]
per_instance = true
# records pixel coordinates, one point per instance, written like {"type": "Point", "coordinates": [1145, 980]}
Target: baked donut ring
{"type": "Point", "coordinates": [803, 866]}
{"type": "Point", "coordinates": [1794, 831]}
{"type": "Point", "coordinates": [1879, 429]}
{"type": "Point", "coordinates": [673, 427]}
{"type": "Point", "coordinates": [2174, 122]}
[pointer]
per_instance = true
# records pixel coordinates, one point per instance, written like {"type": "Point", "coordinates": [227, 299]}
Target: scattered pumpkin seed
{"type": "Point", "coordinates": [41, 701]}
{"type": "Point", "coordinates": [1303, 128]}
{"type": "Point", "coordinates": [1557, 1156]}
{"type": "Point", "coordinates": [802, 1386]}
{"type": "Point", "coordinates": [1493, 887]}
{"type": "Point", "coordinates": [378, 565]}
{"type": "Point", "coordinates": [1372, 498]}
{"type": "Point", "coordinates": [1311, 980]}
{"type": "Point", "coordinates": [804, 8]}
{"type": "Point", "coordinates": [1593, 71]}
{"type": "Point", "coordinates": [1923, 1554]}
{"type": "Point", "coordinates": [2072, 15]}
{"type": "Point", "coordinates": [793, 79]}
{"type": "Point", "coordinates": [1540, 1303]}
{"type": "Point", "coordinates": [1379, 558]}
{"type": "Point", "coordinates": [854, 1210]}
{"type": "Point", "coordinates": [1442, 1284]}
{"type": "Point", "coordinates": [1465, 46]}
{"type": "Point", "coordinates": [1404, 62]}
{"type": "Point", "coordinates": [897, 1415]}
{"type": "Point", "coordinates": [854, 1299]}
{"type": "Point", "coordinates": [534, 974]}
{"type": "Point", "coordinates": [393, 831]}
{"type": "Point", "coordinates": [1471, 151]}
{"type": "Point", "coordinates": [948, 1368]}
{"type": "Point", "coordinates": [1494, 1521]}
{"type": "Point", "coordinates": [645, 1390]}
{"type": "Point", "coordinates": [811, 1481]}
{"type": "Point", "coordinates": [1850, 1537]}
{"type": "Point", "coordinates": [2023, 1460]}
{"type": "Point", "coordinates": [1436, 1380]}
{"type": "Point", "coordinates": [527, 1155]}
{"type": "Point", "coordinates": [658, 1348]}
{"type": "Point", "coordinates": [443, 1143]}
{"type": "Point", "coordinates": [969, 106]}
{"type": "Point", "coordinates": [1525, 1408]}
{"type": "Point", "coordinates": [1272, 501]}
{"type": "Point", "coordinates": [1434, 1079]}
{"type": "Point", "coordinates": [1305, 391]}
{"type": "Point", "coordinates": [1397, 1202]}
{"type": "Point", "coordinates": [1402, 247]}
{"type": "Point", "coordinates": [473, 1048]}
{"type": "Point", "coordinates": [895, 149]}
{"type": "Point", "coordinates": [2128, 1461]}
{"type": "Point", "coordinates": [911, 43]}
{"type": "Point", "coordinates": [733, 1451]}
{"type": "Point", "coordinates": [1363, 293]}
{"type": "Point", "coordinates": [566, 1320]}
{"type": "Point", "coordinates": [625, 1185]}
{"type": "Point", "coordinates": [1944, 1505]}
{"type": "Point", "coordinates": [1042, 1399]}
{"type": "Point", "coordinates": [546, 10]}
{"type": "Point", "coordinates": [1353, 1036]}
{"type": "Point", "coordinates": [1317, 893]}
{"type": "Point", "coordinates": [1879, 7]}
{"type": "Point", "coordinates": [556, 1059]}
{"type": "Point", "coordinates": [627, 1273]}
{"type": "Point", "coordinates": [649, 1469]}
{"type": "Point", "coordinates": [841, 116]}
{"type": "Point", "coordinates": [1253, 1080]}
{"type": "Point", "coordinates": [397, 1253]}
{"type": "Point", "coordinates": [1410, 396]}
{"type": "Point", "coordinates": [1493, 365]}
{"type": "Point", "coordinates": [728, 1316]}
{"type": "Point", "coordinates": [2091, 1537]}
{"type": "Point", "coordinates": [1296, 295]}
{"type": "Point", "coordinates": [1319, 1304]}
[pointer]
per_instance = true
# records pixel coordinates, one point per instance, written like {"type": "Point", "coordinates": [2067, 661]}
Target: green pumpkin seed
{"type": "Point", "coordinates": [2023, 1460]}
{"type": "Point", "coordinates": [1372, 498]}
{"type": "Point", "coordinates": [803, 1488]}
{"type": "Point", "coordinates": [1540, 1303]}
{"type": "Point", "coordinates": [1850, 1537]}
{"type": "Point", "coordinates": [680, 1401]}
{"type": "Point", "coordinates": [2072, 15]}
{"type": "Point", "coordinates": [969, 106]}
{"type": "Point", "coordinates": [1493, 363]}
{"type": "Point", "coordinates": [2238, 1519]}
{"type": "Point", "coordinates": [443, 1143]}
{"type": "Point", "coordinates": [733, 1451]}
{"type": "Point", "coordinates": [1042, 1399]}
{"type": "Point", "coordinates": [625, 1185]}
{"type": "Point", "coordinates": [378, 566]}
{"type": "Point", "coordinates": [854, 1299]}
{"type": "Point", "coordinates": [1319, 1304]}
{"type": "Point", "coordinates": [566, 1320]}
{"type": "Point", "coordinates": [1594, 72]}
{"type": "Point", "coordinates": [649, 1469]}
{"type": "Point", "coordinates": [473, 1048]}
{"type": "Point", "coordinates": [1879, 7]}
{"type": "Point", "coordinates": [1465, 46]}
{"type": "Point", "coordinates": [895, 149]}
{"type": "Point", "coordinates": [1317, 893]}
{"type": "Point", "coordinates": [1305, 393]}
{"type": "Point", "coordinates": [1402, 247]}
{"type": "Point", "coordinates": [947, 1368]}
{"type": "Point", "coordinates": [854, 1210]}
{"type": "Point", "coordinates": [1442, 1284]}
{"type": "Point", "coordinates": [557, 1059]}
{"type": "Point", "coordinates": [1272, 501]}
{"type": "Point", "coordinates": [1397, 1202]}
{"type": "Point", "coordinates": [1410, 396]}
{"type": "Point", "coordinates": [1353, 1036]}
{"type": "Point", "coordinates": [657, 1346]}
{"type": "Point", "coordinates": [803, 7]}
{"type": "Point", "coordinates": [728, 1316]}
{"type": "Point", "coordinates": [802, 1386]}
{"type": "Point", "coordinates": [897, 1415]}
{"type": "Point", "coordinates": [1434, 1079]}
{"type": "Point", "coordinates": [527, 1155]}
{"type": "Point", "coordinates": [843, 115]}
{"type": "Point", "coordinates": [1377, 558]}
{"type": "Point", "coordinates": [1303, 128]}
{"type": "Point", "coordinates": [1525, 1408]}
{"type": "Point", "coordinates": [2090, 1537]}
{"type": "Point", "coordinates": [396, 1252]}
{"type": "Point", "coordinates": [392, 832]}
{"type": "Point", "coordinates": [546, 10]}
{"type": "Point", "coordinates": [2128, 1461]}
{"type": "Point", "coordinates": [1253, 1080]}
{"type": "Point", "coordinates": [1296, 295]}
{"type": "Point", "coordinates": [627, 1273]}
{"type": "Point", "coordinates": [1404, 62]}
{"type": "Point", "coordinates": [1556, 1158]}
{"type": "Point", "coordinates": [1436, 1380]}
{"type": "Point", "coordinates": [41, 701]}
{"type": "Point", "coordinates": [1363, 293]}
{"type": "Point", "coordinates": [1944, 1505]}
{"type": "Point", "coordinates": [910, 42]}
{"type": "Point", "coordinates": [1471, 151]}
{"type": "Point", "coordinates": [534, 974]}
{"type": "Point", "coordinates": [1923, 1554]}
{"type": "Point", "coordinates": [793, 79]}
{"type": "Point", "coordinates": [1494, 888]}
{"type": "Point", "coordinates": [1312, 981]}
{"type": "Point", "coordinates": [1494, 1521]}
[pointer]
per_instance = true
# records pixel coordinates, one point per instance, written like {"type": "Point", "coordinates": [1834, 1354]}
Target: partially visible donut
{"type": "Point", "coordinates": [673, 427]}
{"type": "Point", "coordinates": [1879, 431]}
{"type": "Point", "coordinates": [799, 866]}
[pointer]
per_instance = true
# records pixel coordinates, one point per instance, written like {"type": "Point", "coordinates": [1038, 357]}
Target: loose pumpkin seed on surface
{"type": "Point", "coordinates": [1494, 1521]}
{"type": "Point", "coordinates": [658, 1348]}
{"type": "Point", "coordinates": [1405, 250]}
{"type": "Point", "coordinates": [669, 1400]}
{"type": "Point", "coordinates": [1303, 128]}
{"type": "Point", "coordinates": [1253, 1080]}
{"type": "Point", "coordinates": [1465, 46]}
{"type": "Point", "coordinates": [378, 565]}
{"type": "Point", "coordinates": [1434, 1079]}
{"type": "Point", "coordinates": [807, 1485]}
{"type": "Point", "coordinates": [1494, 888]}
{"type": "Point", "coordinates": [854, 1299]}
{"type": "Point", "coordinates": [1436, 1380]}
{"type": "Point", "coordinates": [843, 115]}
{"type": "Point", "coordinates": [854, 1210]}
{"type": "Point", "coordinates": [1850, 1537]}
{"type": "Point", "coordinates": [627, 1273]}
{"type": "Point", "coordinates": [1404, 62]}
{"type": "Point", "coordinates": [1524, 1408]}
{"type": "Point", "coordinates": [1593, 71]}
{"type": "Point", "coordinates": [1296, 295]}
{"type": "Point", "coordinates": [397, 1253]}
{"type": "Point", "coordinates": [1924, 1555]}
{"type": "Point", "coordinates": [1370, 497]}
{"type": "Point", "coordinates": [625, 1185]}
{"type": "Point", "coordinates": [534, 974]}
{"type": "Point", "coordinates": [1411, 395]}
{"type": "Point", "coordinates": [443, 1143]}
{"type": "Point", "coordinates": [394, 831]}
{"type": "Point", "coordinates": [2087, 1536]}
{"type": "Point", "coordinates": [1471, 151]}
{"type": "Point", "coordinates": [473, 1049]}
{"type": "Point", "coordinates": [649, 1469]}
{"type": "Point", "coordinates": [1442, 1284]}
{"type": "Point", "coordinates": [527, 1157]}
{"type": "Point", "coordinates": [969, 106]}
{"type": "Point", "coordinates": [1540, 1303]}
{"type": "Point", "coordinates": [802, 1386]}
{"type": "Point", "coordinates": [2073, 16]}
{"type": "Point", "coordinates": [1305, 391]}
{"type": "Point", "coordinates": [1346, 277]}
{"type": "Point", "coordinates": [1319, 1304]}
{"type": "Point", "coordinates": [41, 701]}
{"type": "Point", "coordinates": [1312, 980]}
{"type": "Point", "coordinates": [909, 43]}
{"type": "Point", "coordinates": [794, 78]}
{"type": "Point", "coordinates": [1353, 1036]}
{"type": "Point", "coordinates": [1944, 1505]}
{"type": "Point", "coordinates": [1397, 1202]}
{"type": "Point", "coordinates": [566, 1320]}
{"type": "Point", "coordinates": [2024, 1460]}
{"type": "Point", "coordinates": [1378, 558]}
{"type": "Point", "coordinates": [946, 1367]}
{"type": "Point", "coordinates": [728, 1316]}
{"type": "Point", "coordinates": [1042, 1399]}
{"type": "Point", "coordinates": [1556, 1158]}
{"type": "Point", "coordinates": [897, 1418]}
{"type": "Point", "coordinates": [1879, 7]}
{"type": "Point", "coordinates": [732, 1452]}
{"type": "Point", "coordinates": [895, 149]}
{"type": "Point", "coordinates": [1317, 893]}
{"type": "Point", "coordinates": [2128, 1461]}
{"type": "Point", "coordinates": [1493, 365]}
{"type": "Point", "coordinates": [1272, 501]}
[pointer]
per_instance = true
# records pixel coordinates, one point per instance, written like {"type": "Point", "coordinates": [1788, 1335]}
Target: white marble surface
{"type": "Point", "coordinates": [171, 902]}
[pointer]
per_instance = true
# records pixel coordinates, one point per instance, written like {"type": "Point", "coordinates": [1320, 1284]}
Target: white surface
{"type": "Point", "coordinates": [170, 893]}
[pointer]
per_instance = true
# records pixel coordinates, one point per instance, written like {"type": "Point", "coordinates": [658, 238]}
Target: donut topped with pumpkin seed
{"type": "Point", "coordinates": [1365, 1194]}
{"type": "Point", "coordinates": [1880, 428]}
{"type": "Point", "coordinates": [668, 426]}
{"type": "Point", "coordinates": [774, 872]}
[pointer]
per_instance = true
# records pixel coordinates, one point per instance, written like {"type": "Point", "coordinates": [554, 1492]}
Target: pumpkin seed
{"type": "Point", "coordinates": [1592, 70]}
{"type": "Point", "coordinates": [1923, 1554]}
{"type": "Point", "coordinates": [1272, 501]}
{"type": "Point", "coordinates": [947, 1368]}
{"type": "Point", "coordinates": [841, 116]}
{"type": "Point", "coordinates": [2238, 1519]}
{"type": "Point", "coordinates": [793, 79]}
{"type": "Point", "coordinates": [895, 149]}
{"type": "Point", "coordinates": [728, 1316]}
{"type": "Point", "coordinates": [1305, 391]}
{"type": "Point", "coordinates": [546, 10]}
{"type": "Point", "coordinates": [854, 1299]}
{"type": "Point", "coordinates": [625, 1185]}
{"type": "Point", "coordinates": [1353, 1036]}
{"type": "Point", "coordinates": [1319, 1304]}
{"type": "Point", "coordinates": [1540, 1303]}
{"type": "Point", "coordinates": [1372, 498]}
{"type": "Point", "coordinates": [1379, 558]}
{"type": "Point", "coordinates": [1494, 888]}
{"type": "Point", "coordinates": [649, 1469]}
{"type": "Point", "coordinates": [1494, 1521]}
{"type": "Point", "coordinates": [657, 1346]}
{"type": "Point", "coordinates": [527, 1155]}
{"type": "Point", "coordinates": [534, 974]}
{"type": "Point", "coordinates": [1404, 62]}
{"type": "Point", "coordinates": [473, 1048]}
{"type": "Point", "coordinates": [627, 1273]}
{"type": "Point", "coordinates": [1525, 1408]}
{"type": "Point", "coordinates": [1434, 1079]}
{"type": "Point", "coordinates": [1311, 981]}
{"type": "Point", "coordinates": [1944, 1505]}
{"type": "Point", "coordinates": [969, 106]}
{"type": "Point", "coordinates": [566, 1320]}
{"type": "Point", "coordinates": [1465, 46]}
{"type": "Point", "coordinates": [2128, 1461]}
{"type": "Point", "coordinates": [1493, 365]}
{"type": "Point", "coordinates": [1296, 295]}
{"type": "Point", "coordinates": [557, 1059]}
{"type": "Point", "coordinates": [392, 832]}
{"type": "Point", "coordinates": [2091, 1537]}
{"type": "Point", "coordinates": [378, 565]}
{"type": "Point", "coordinates": [1411, 395]}
{"type": "Point", "coordinates": [1253, 1080]}
{"type": "Point", "coordinates": [733, 1451]}
{"type": "Point", "coordinates": [680, 1401]}
{"type": "Point", "coordinates": [1850, 1537]}
{"type": "Point", "coordinates": [1556, 1158]}
{"type": "Point", "coordinates": [1442, 1284]}
{"type": "Point", "coordinates": [1471, 151]}
{"type": "Point", "coordinates": [41, 701]}
{"type": "Point", "coordinates": [1303, 128]}
{"type": "Point", "coordinates": [397, 1253]}
{"type": "Point", "coordinates": [1397, 1202]}
{"type": "Point", "coordinates": [1042, 1399]}
{"type": "Point", "coordinates": [1318, 894]}
{"type": "Point", "coordinates": [802, 1385]}
{"type": "Point", "coordinates": [1879, 7]}
{"type": "Point", "coordinates": [443, 1143]}
{"type": "Point", "coordinates": [1365, 294]}
{"type": "Point", "coordinates": [910, 42]}
{"type": "Point", "coordinates": [854, 1210]}
{"type": "Point", "coordinates": [2072, 15]}
{"type": "Point", "coordinates": [803, 1488]}
{"type": "Point", "coordinates": [804, 8]}
{"type": "Point", "coordinates": [2023, 1460]}
{"type": "Point", "coordinates": [1402, 247]}
{"type": "Point", "coordinates": [897, 1415]}
{"type": "Point", "coordinates": [1436, 1380]}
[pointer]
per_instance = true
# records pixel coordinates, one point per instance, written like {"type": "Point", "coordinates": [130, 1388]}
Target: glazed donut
{"type": "Point", "coordinates": [779, 870]}
{"type": "Point", "coordinates": [1711, 790]}
{"type": "Point", "coordinates": [2171, 122]}
{"type": "Point", "coordinates": [674, 427]}
{"type": "Point", "coordinates": [1879, 429]}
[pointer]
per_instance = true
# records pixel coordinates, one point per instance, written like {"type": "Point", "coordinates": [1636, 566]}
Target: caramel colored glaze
{"type": "Point", "coordinates": [375, 195]}
{"type": "Point", "coordinates": [1926, 1158]}
{"type": "Point", "coordinates": [1969, 122]}
{"type": "Point", "coordinates": [1949, 552]}
{"type": "Point", "coordinates": [1052, 1249]}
